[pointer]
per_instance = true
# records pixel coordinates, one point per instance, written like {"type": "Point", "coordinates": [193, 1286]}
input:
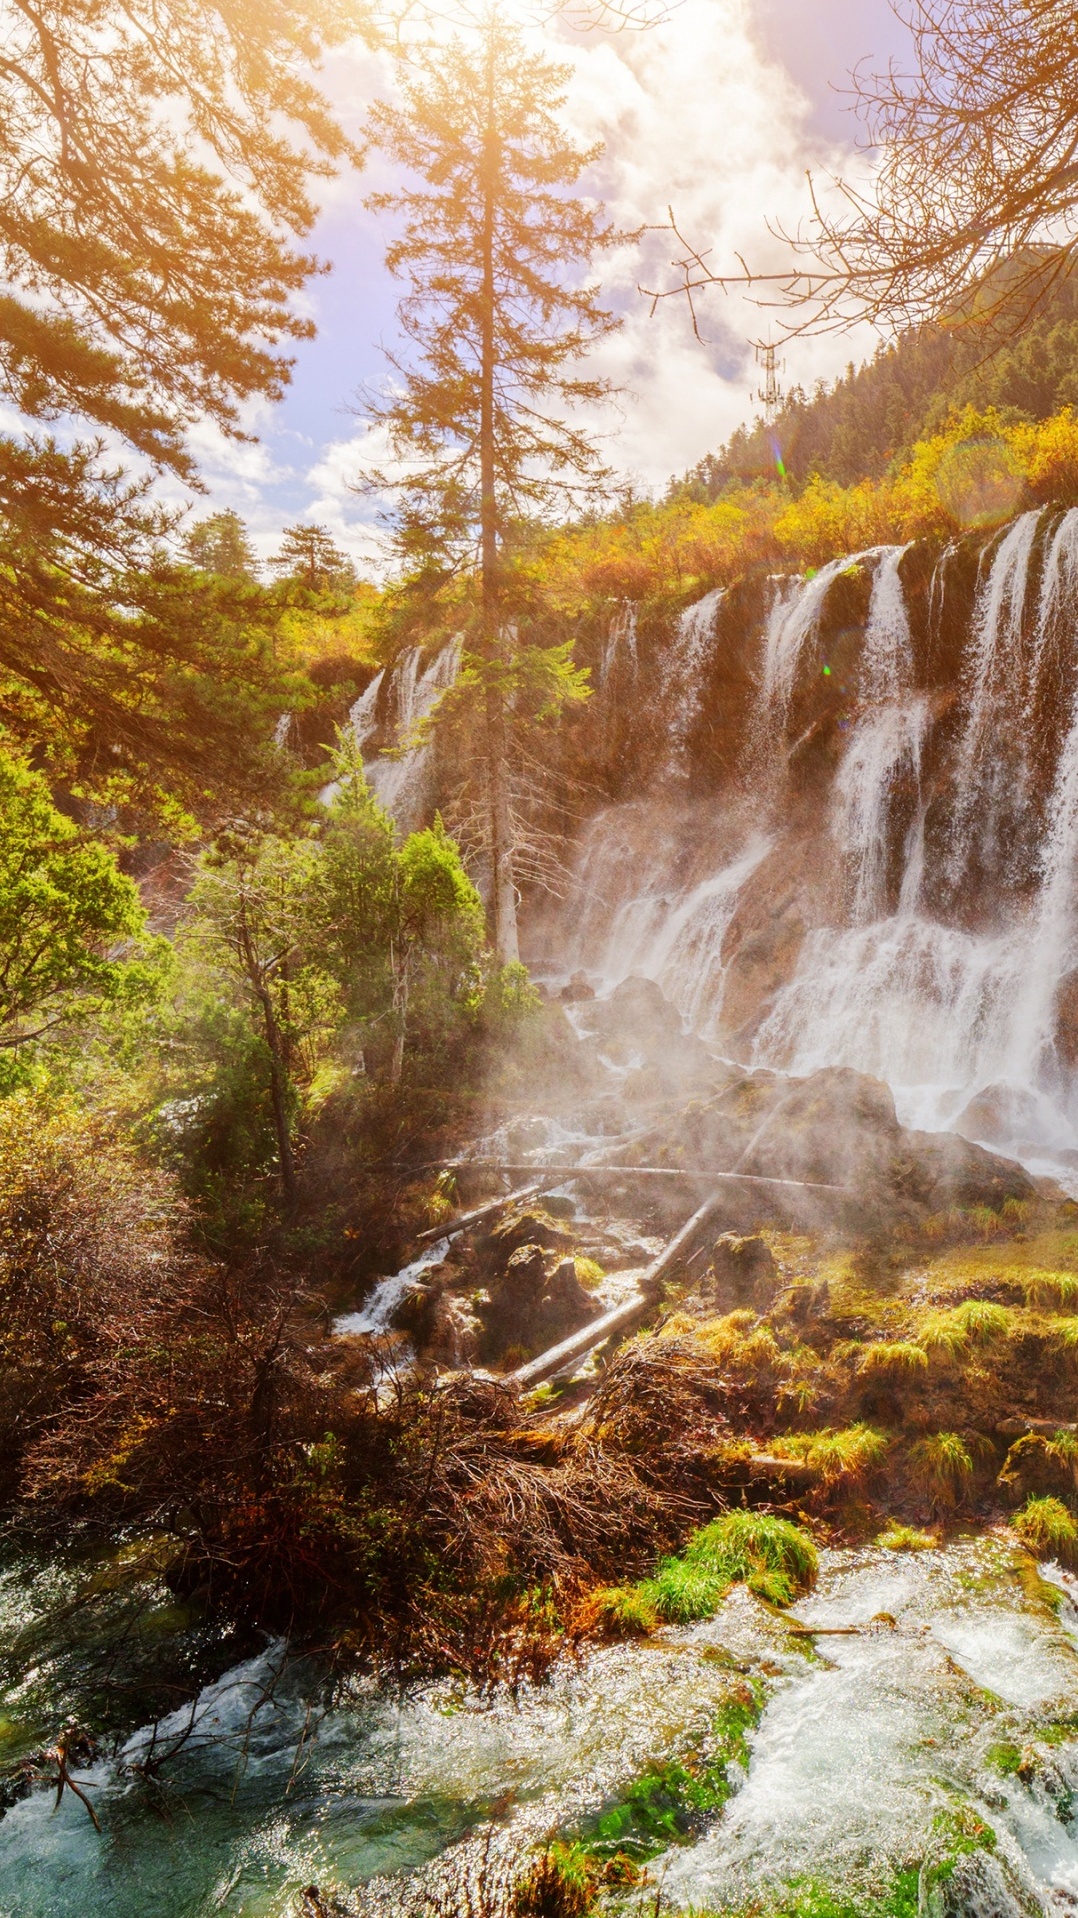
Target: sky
{"type": "Point", "coordinates": [717, 112]}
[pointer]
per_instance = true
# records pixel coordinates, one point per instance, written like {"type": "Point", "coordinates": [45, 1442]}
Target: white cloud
{"type": "Point", "coordinates": [694, 114]}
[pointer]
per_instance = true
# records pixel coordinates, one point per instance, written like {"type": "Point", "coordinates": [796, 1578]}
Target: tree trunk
{"type": "Point", "coordinates": [503, 897]}
{"type": "Point", "coordinates": [503, 892]}
{"type": "Point", "coordinates": [278, 1063]}
{"type": "Point", "coordinates": [400, 1016]}
{"type": "Point", "coordinates": [279, 1097]}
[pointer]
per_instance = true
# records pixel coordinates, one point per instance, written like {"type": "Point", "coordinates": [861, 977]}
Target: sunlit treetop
{"type": "Point", "coordinates": [156, 158]}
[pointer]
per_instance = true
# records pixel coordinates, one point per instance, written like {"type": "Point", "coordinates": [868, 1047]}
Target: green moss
{"type": "Point", "coordinates": [1004, 1758]}
{"type": "Point", "coordinates": [811, 1898]}
{"type": "Point", "coordinates": [671, 1802]}
{"type": "Point", "coordinates": [589, 1272]}
{"type": "Point", "coordinates": [625, 1609]}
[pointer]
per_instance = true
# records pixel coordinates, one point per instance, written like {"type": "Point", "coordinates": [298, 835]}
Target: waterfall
{"type": "Point", "coordinates": [925, 883]}
{"type": "Point", "coordinates": [682, 675]}
{"type": "Point", "coordinates": [382, 719]}
{"type": "Point", "coordinates": [642, 912]}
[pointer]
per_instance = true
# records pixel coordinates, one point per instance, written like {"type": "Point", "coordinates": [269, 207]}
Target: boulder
{"type": "Point", "coordinates": [537, 1301]}
{"type": "Point", "coordinates": [578, 988]}
{"type": "Point", "coordinates": [1000, 1115]}
{"type": "Point", "coordinates": [535, 1226]}
{"type": "Point", "coordinates": [976, 1884]}
{"type": "Point", "coordinates": [742, 1272]}
{"type": "Point", "coordinates": [636, 1028]}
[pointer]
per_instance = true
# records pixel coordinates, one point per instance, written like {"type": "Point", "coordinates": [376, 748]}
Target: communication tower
{"type": "Point", "coordinates": [770, 392]}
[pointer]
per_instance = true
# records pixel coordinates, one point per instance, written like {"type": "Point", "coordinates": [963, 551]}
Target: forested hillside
{"type": "Point", "coordinates": [1022, 362]}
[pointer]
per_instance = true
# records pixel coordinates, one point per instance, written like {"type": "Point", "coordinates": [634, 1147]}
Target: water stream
{"type": "Point", "coordinates": [862, 1745]}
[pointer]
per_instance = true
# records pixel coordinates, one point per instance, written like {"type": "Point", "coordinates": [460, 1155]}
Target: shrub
{"type": "Point", "coordinates": [1048, 1530]}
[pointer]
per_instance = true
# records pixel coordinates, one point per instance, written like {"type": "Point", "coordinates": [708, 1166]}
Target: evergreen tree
{"type": "Point", "coordinates": [156, 158]}
{"type": "Point", "coordinates": [310, 555]}
{"type": "Point", "coordinates": [496, 250]}
{"type": "Point", "coordinates": [221, 545]}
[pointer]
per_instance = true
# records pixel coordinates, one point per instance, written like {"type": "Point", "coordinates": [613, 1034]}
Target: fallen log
{"type": "Point", "coordinates": [571, 1350]}
{"type": "Point", "coordinates": [446, 1230]}
{"type": "Point", "coordinates": [698, 1174]}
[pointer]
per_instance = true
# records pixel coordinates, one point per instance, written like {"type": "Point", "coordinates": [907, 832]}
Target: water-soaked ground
{"type": "Point", "coordinates": [962, 1694]}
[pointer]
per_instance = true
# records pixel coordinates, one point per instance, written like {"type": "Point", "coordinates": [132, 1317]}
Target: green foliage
{"type": "Point", "coordinates": [873, 415]}
{"type": "Point", "coordinates": [624, 1611]}
{"type": "Point", "coordinates": [942, 1465]}
{"type": "Point", "coordinates": [309, 555]}
{"type": "Point", "coordinates": [774, 1558]}
{"type": "Point", "coordinates": [1048, 1529]}
{"type": "Point", "coordinates": [221, 545]}
{"type": "Point", "coordinates": [64, 909]}
{"type": "Point", "coordinates": [1006, 1759]}
{"type": "Point", "coordinates": [155, 161]}
{"type": "Point", "coordinates": [906, 1538]}
{"type": "Point", "coordinates": [478, 132]}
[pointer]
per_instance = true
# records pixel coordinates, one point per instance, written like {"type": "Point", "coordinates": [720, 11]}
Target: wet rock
{"type": "Point", "coordinates": [1034, 1468]}
{"type": "Point", "coordinates": [742, 1272]}
{"type": "Point", "coordinates": [977, 1884]}
{"type": "Point", "coordinates": [637, 1029]}
{"type": "Point", "coordinates": [535, 1227]}
{"type": "Point", "coordinates": [1066, 1019]}
{"type": "Point", "coordinates": [578, 989]}
{"type": "Point", "coordinates": [956, 1172]}
{"type": "Point", "coordinates": [537, 1301]}
{"type": "Point", "coordinates": [999, 1115]}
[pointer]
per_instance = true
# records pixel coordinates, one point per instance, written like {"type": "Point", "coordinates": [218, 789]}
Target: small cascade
{"type": "Point", "coordinates": [885, 744]}
{"type": "Point", "coordinates": [682, 678]}
{"type": "Point", "coordinates": [384, 715]}
{"type": "Point", "coordinates": [795, 615]}
{"type": "Point", "coordinates": [991, 774]}
{"type": "Point", "coordinates": [619, 656]}
{"type": "Point", "coordinates": [643, 912]}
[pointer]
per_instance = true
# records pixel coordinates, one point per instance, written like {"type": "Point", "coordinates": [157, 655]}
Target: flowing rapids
{"type": "Point", "coordinates": [864, 1747]}
{"type": "Point", "coordinates": [922, 815]}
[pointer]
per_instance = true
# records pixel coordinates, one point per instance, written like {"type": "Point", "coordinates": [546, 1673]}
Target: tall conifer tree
{"type": "Point", "coordinates": [496, 250]}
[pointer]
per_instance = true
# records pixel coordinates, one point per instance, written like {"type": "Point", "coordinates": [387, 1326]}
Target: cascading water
{"type": "Point", "coordinates": [867, 1743]}
{"type": "Point", "coordinates": [385, 716]}
{"type": "Point", "coordinates": [939, 959]}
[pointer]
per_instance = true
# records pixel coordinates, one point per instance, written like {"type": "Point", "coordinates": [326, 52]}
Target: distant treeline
{"type": "Point", "coordinates": [1020, 362]}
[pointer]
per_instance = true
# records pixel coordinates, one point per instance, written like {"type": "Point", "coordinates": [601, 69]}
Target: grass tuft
{"type": "Point", "coordinates": [906, 1538]}
{"type": "Point", "coordinates": [847, 1454]}
{"type": "Point", "coordinates": [902, 1356]}
{"type": "Point", "coordinates": [1048, 1530]}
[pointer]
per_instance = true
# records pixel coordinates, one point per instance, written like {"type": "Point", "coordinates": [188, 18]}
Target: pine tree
{"type": "Point", "coordinates": [156, 160]}
{"type": "Point", "coordinates": [496, 251]}
{"type": "Point", "coordinates": [221, 545]}
{"type": "Point", "coordinates": [310, 555]}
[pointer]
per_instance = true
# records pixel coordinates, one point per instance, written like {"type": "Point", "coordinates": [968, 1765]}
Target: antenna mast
{"type": "Point", "coordinates": [770, 392]}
